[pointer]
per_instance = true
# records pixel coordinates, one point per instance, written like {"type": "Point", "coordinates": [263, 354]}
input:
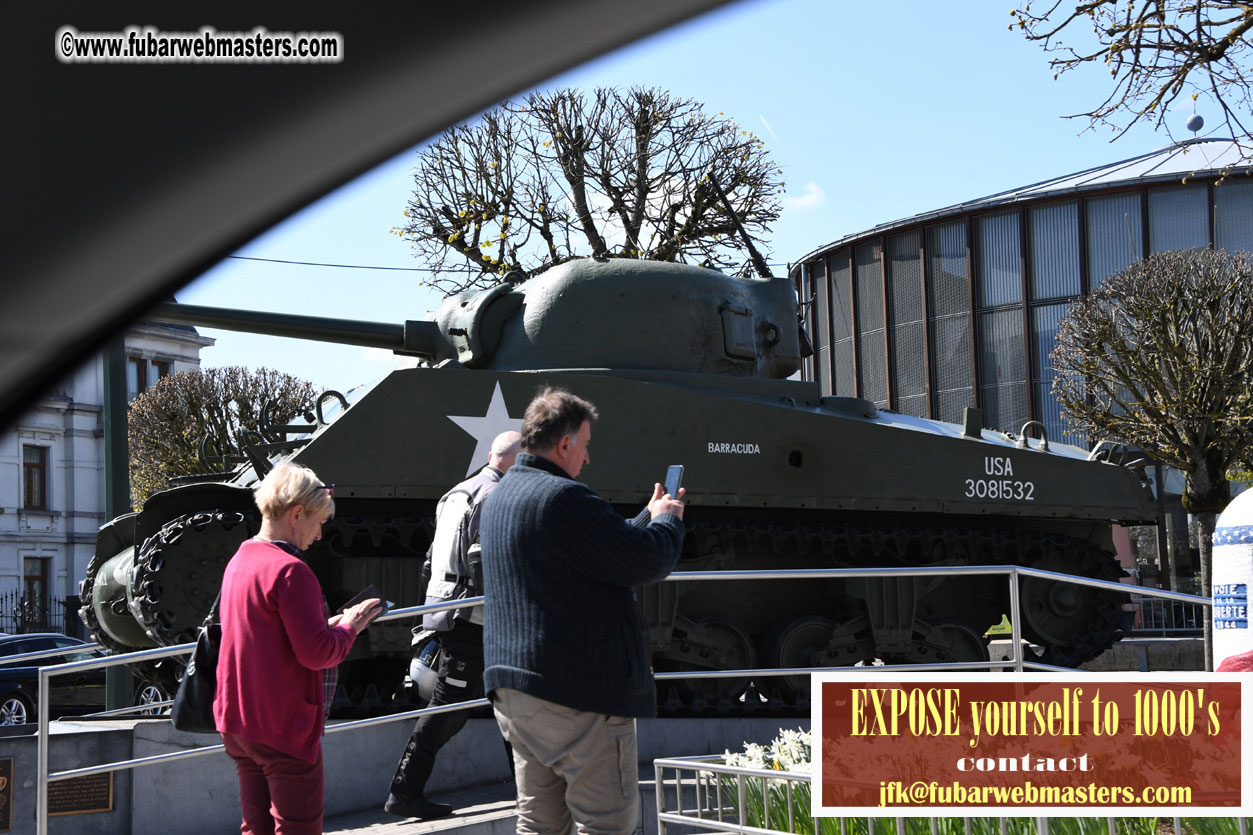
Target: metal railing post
{"type": "Point", "coordinates": [661, 799]}
{"type": "Point", "coordinates": [41, 756]}
{"type": "Point", "coordinates": [1015, 620]}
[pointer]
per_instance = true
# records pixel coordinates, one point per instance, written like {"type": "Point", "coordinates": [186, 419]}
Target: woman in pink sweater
{"type": "Point", "coordinates": [276, 643]}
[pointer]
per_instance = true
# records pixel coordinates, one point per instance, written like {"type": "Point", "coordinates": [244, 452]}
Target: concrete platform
{"type": "Point", "coordinates": [200, 795]}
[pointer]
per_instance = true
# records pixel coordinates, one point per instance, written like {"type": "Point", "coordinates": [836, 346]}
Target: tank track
{"type": "Point", "coordinates": [1071, 629]}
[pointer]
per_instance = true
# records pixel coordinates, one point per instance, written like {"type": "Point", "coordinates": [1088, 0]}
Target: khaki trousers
{"type": "Point", "coordinates": [575, 771]}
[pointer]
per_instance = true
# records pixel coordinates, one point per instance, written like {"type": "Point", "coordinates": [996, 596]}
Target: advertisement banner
{"type": "Point", "coordinates": [1031, 744]}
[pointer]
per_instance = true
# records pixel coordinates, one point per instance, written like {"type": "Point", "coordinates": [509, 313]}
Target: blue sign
{"type": "Point", "coordinates": [1231, 606]}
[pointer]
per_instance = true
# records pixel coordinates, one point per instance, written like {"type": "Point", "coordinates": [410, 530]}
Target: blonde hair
{"type": "Point", "coordinates": [288, 485]}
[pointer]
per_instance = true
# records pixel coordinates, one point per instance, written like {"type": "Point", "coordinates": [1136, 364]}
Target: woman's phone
{"type": "Point", "coordinates": [674, 479]}
{"type": "Point", "coordinates": [365, 594]}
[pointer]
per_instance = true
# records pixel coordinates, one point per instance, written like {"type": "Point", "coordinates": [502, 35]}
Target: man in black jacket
{"type": "Point", "coordinates": [566, 665]}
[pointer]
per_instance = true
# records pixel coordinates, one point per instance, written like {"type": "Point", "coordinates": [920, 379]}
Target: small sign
{"type": "Point", "coordinates": [1231, 606]}
{"type": "Point", "coordinates": [6, 794]}
{"type": "Point", "coordinates": [79, 795]}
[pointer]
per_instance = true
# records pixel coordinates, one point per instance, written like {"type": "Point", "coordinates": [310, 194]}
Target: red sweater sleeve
{"type": "Point", "coordinates": [298, 599]}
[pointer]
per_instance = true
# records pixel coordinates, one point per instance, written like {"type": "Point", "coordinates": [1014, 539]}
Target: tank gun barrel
{"type": "Point", "coordinates": [416, 338]}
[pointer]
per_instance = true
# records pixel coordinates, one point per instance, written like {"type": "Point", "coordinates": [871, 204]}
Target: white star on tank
{"type": "Point", "coordinates": [486, 428]}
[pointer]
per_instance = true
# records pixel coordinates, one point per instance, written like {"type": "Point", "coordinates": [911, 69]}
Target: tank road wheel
{"type": "Point", "coordinates": [964, 644]}
{"type": "Point", "coordinates": [732, 650]}
{"type": "Point", "coordinates": [1074, 623]}
{"type": "Point", "coordinates": [946, 643]}
{"type": "Point", "coordinates": [804, 642]}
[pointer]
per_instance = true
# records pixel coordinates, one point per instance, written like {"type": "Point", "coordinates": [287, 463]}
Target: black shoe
{"type": "Point", "coordinates": [416, 807]}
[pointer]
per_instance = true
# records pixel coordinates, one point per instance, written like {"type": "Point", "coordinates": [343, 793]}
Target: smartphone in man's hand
{"type": "Point", "coordinates": [674, 480]}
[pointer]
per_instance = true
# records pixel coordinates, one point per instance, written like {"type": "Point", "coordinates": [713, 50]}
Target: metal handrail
{"type": "Point", "coordinates": [1013, 573]}
{"type": "Point", "coordinates": [47, 653]}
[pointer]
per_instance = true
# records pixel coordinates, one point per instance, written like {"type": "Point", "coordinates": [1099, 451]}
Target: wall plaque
{"type": "Point", "coordinates": [6, 794]}
{"type": "Point", "coordinates": [79, 795]}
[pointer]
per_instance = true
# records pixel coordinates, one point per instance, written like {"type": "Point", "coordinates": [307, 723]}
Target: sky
{"type": "Point", "coordinates": [875, 112]}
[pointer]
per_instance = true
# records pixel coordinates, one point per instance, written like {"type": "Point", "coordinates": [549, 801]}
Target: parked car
{"type": "Point", "coordinates": [73, 694]}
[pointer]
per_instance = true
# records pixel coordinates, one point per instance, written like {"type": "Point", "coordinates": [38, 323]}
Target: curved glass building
{"type": "Point", "coordinates": [958, 307]}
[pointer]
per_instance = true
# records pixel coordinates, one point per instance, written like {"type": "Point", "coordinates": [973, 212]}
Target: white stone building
{"type": "Point", "coordinates": [52, 479]}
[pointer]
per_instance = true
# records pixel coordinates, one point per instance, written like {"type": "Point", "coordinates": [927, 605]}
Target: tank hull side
{"type": "Point", "coordinates": [739, 449]}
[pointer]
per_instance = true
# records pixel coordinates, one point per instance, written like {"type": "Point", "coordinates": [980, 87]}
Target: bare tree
{"type": "Point", "coordinates": [562, 175]}
{"type": "Point", "coordinates": [1155, 51]}
{"type": "Point", "coordinates": [167, 423]}
{"type": "Point", "coordinates": [1161, 357]}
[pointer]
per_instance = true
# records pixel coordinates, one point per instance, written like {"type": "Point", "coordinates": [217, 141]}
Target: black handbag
{"type": "Point", "coordinates": [193, 704]}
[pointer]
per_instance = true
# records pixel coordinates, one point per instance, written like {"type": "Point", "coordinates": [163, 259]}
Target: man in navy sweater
{"type": "Point", "coordinates": [566, 665]}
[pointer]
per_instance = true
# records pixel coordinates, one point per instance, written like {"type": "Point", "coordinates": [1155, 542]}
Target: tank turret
{"type": "Point", "coordinates": [687, 366]}
{"type": "Point", "coordinates": [601, 314]}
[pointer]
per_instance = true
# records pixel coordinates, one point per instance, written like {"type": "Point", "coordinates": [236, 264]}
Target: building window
{"type": "Point", "coordinates": [1000, 259]}
{"type": "Point", "coordinates": [34, 477]}
{"type": "Point", "coordinates": [1178, 218]}
{"type": "Point", "coordinates": [1002, 369]}
{"type": "Point", "coordinates": [1044, 320]}
{"type": "Point", "coordinates": [141, 374]}
{"type": "Point", "coordinates": [872, 358]}
{"type": "Point", "coordinates": [843, 370]}
{"type": "Point", "coordinates": [1233, 217]}
{"type": "Point", "coordinates": [908, 343]}
{"type": "Point", "coordinates": [815, 275]}
{"type": "Point", "coordinates": [1115, 235]}
{"type": "Point", "coordinates": [948, 306]}
{"type": "Point", "coordinates": [1055, 251]}
{"type": "Point", "coordinates": [1002, 354]}
{"type": "Point", "coordinates": [34, 611]}
{"type": "Point", "coordinates": [36, 581]}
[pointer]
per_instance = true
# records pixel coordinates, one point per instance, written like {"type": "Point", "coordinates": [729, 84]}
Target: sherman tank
{"type": "Point", "coordinates": [687, 366]}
